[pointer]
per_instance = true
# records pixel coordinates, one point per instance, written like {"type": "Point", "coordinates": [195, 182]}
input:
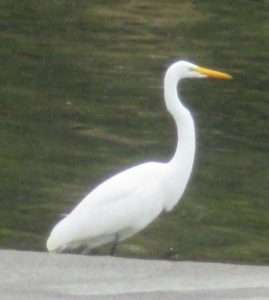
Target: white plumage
{"type": "Point", "coordinates": [127, 202]}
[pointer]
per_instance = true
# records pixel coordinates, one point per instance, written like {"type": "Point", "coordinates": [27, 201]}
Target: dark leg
{"type": "Point", "coordinates": [114, 246]}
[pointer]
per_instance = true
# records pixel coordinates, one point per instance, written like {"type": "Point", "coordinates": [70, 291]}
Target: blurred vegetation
{"type": "Point", "coordinates": [81, 98]}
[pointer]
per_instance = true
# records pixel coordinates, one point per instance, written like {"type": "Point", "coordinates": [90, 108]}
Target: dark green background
{"type": "Point", "coordinates": [81, 99]}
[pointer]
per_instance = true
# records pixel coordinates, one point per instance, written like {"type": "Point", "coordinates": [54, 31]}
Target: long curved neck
{"type": "Point", "coordinates": [184, 155]}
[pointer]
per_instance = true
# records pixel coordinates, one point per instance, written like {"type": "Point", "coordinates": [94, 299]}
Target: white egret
{"type": "Point", "coordinates": [127, 202]}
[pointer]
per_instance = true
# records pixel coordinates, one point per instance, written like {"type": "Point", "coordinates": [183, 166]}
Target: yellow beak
{"type": "Point", "coordinates": [212, 73]}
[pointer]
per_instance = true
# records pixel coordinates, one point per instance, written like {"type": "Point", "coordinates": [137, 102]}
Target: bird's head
{"type": "Point", "coordinates": [185, 69]}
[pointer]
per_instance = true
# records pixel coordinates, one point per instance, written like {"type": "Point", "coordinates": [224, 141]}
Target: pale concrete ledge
{"type": "Point", "coordinates": [40, 276]}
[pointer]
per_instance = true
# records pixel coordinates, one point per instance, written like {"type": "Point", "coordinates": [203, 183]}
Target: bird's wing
{"type": "Point", "coordinates": [128, 200]}
{"type": "Point", "coordinates": [121, 185]}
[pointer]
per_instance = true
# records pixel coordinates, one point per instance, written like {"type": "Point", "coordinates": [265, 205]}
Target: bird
{"type": "Point", "coordinates": [129, 201]}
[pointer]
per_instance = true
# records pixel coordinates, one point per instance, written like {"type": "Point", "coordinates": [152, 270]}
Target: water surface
{"type": "Point", "coordinates": [81, 99]}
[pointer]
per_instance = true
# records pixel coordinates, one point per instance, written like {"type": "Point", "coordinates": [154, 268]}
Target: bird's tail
{"type": "Point", "coordinates": [58, 239]}
{"type": "Point", "coordinates": [53, 243]}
